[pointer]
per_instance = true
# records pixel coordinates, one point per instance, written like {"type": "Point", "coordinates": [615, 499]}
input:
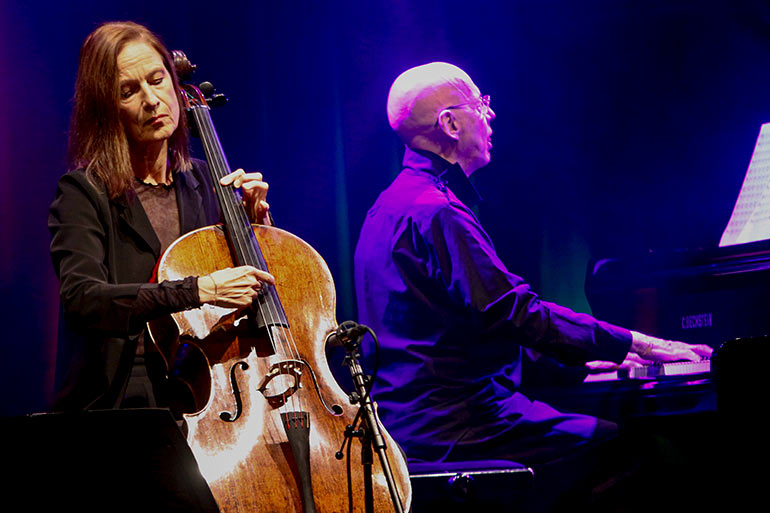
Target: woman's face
{"type": "Point", "coordinates": [149, 108]}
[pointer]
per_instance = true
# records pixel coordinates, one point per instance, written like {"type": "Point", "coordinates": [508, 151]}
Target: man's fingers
{"type": "Point", "coordinates": [633, 357]}
{"type": "Point", "coordinates": [602, 366]}
{"type": "Point", "coordinates": [599, 365]}
{"type": "Point", "coordinates": [702, 350]}
{"type": "Point", "coordinates": [694, 352]}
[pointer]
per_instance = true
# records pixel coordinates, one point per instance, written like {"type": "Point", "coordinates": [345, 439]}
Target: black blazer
{"type": "Point", "coordinates": [102, 251]}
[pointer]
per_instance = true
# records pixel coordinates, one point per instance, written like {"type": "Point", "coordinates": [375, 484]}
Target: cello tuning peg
{"type": "Point", "coordinates": [217, 100]}
{"type": "Point", "coordinates": [207, 88]}
{"type": "Point", "coordinates": [212, 98]}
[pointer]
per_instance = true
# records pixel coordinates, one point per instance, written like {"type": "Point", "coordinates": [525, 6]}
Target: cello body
{"type": "Point", "coordinates": [246, 390]}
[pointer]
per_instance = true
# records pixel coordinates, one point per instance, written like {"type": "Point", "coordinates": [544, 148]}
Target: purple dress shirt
{"type": "Point", "coordinates": [453, 323]}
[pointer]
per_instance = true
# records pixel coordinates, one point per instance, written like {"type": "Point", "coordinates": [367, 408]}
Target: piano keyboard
{"type": "Point", "coordinates": [653, 371]}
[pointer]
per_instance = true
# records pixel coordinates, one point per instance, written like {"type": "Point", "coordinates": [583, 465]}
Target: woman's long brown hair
{"type": "Point", "coordinates": [97, 139]}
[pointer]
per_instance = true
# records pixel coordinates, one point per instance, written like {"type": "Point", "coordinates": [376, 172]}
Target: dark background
{"type": "Point", "coordinates": [622, 126]}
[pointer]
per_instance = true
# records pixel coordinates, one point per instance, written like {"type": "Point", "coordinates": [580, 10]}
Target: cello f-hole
{"type": "Point", "coordinates": [226, 415]}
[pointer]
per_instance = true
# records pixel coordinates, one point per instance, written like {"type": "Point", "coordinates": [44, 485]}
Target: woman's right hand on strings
{"type": "Point", "coordinates": [234, 287]}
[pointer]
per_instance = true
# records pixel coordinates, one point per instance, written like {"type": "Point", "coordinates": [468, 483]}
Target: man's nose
{"type": "Point", "coordinates": [491, 114]}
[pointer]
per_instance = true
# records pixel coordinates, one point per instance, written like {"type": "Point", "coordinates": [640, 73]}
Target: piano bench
{"type": "Point", "coordinates": [468, 485]}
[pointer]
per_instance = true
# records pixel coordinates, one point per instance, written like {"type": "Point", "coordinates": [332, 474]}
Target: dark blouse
{"type": "Point", "coordinates": [159, 202]}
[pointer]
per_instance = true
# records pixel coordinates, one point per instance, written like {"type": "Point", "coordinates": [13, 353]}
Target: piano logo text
{"type": "Point", "coordinates": [690, 322]}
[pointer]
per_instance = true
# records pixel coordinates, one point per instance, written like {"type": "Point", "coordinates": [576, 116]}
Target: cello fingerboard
{"type": "Point", "coordinates": [240, 235]}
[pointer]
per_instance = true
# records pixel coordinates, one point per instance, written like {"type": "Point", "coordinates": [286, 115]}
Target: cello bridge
{"type": "Point", "coordinates": [281, 381]}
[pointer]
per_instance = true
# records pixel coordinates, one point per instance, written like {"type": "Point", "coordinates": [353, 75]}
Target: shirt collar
{"type": "Point", "coordinates": [446, 173]}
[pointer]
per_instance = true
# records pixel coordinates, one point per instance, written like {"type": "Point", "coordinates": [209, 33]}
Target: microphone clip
{"type": "Point", "coordinates": [348, 335]}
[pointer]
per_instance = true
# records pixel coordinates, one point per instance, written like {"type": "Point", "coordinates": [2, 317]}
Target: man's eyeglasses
{"type": "Point", "coordinates": [482, 104]}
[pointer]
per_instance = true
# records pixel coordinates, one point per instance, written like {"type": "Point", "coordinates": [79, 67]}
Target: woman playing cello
{"type": "Point", "coordinates": [133, 189]}
{"type": "Point", "coordinates": [133, 192]}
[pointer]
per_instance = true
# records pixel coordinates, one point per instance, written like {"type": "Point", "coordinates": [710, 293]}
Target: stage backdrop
{"type": "Point", "coordinates": [621, 126]}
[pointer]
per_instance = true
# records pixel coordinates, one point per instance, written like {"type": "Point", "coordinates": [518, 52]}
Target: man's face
{"type": "Point", "coordinates": [149, 108]}
{"type": "Point", "coordinates": [475, 135]}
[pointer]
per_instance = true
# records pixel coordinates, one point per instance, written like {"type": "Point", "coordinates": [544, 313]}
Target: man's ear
{"type": "Point", "coordinates": [447, 122]}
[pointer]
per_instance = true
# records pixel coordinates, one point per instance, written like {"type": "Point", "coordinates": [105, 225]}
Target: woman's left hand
{"type": "Point", "coordinates": [254, 194]}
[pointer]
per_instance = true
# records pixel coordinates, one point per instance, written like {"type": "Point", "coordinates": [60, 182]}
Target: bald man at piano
{"type": "Point", "coordinates": [458, 330]}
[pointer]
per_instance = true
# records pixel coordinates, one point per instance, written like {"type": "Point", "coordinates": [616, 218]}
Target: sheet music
{"type": "Point", "coordinates": [750, 220]}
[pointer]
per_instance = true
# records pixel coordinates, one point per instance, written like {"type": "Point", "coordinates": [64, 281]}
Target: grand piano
{"type": "Point", "coordinates": [701, 423]}
{"type": "Point", "coordinates": [705, 296]}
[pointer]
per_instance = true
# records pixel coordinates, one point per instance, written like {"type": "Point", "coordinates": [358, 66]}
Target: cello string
{"type": "Point", "coordinates": [236, 221]}
{"type": "Point", "coordinates": [246, 245]}
{"type": "Point", "coordinates": [228, 201]}
{"type": "Point", "coordinates": [284, 334]}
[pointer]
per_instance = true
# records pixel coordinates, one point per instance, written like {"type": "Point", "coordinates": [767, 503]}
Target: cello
{"type": "Point", "coordinates": [266, 414]}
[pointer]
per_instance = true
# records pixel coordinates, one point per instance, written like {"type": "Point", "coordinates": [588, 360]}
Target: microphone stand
{"type": "Point", "coordinates": [370, 434]}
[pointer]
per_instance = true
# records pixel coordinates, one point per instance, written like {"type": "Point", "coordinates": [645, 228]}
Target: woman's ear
{"type": "Point", "coordinates": [447, 122]}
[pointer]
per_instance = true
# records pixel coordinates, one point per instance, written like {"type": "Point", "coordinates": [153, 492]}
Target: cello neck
{"type": "Point", "coordinates": [240, 235]}
{"type": "Point", "coordinates": [244, 246]}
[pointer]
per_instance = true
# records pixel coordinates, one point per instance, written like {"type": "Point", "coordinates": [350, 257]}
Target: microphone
{"type": "Point", "coordinates": [346, 333]}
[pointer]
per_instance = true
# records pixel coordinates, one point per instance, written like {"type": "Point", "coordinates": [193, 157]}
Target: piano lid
{"type": "Point", "coordinates": [665, 267]}
{"type": "Point", "coordinates": [694, 295]}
